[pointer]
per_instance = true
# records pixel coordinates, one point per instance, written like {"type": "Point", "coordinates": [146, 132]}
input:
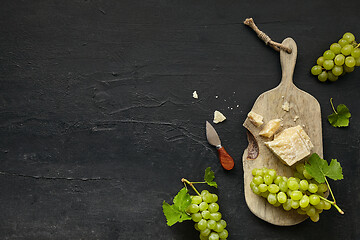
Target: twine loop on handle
{"type": "Point", "coordinates": [277, 46]}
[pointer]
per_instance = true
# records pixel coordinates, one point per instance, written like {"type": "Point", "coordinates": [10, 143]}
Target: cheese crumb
{"type": "Point", "coordinates": [255, 118]}
{"type": "Point", "coordinates": [195, 95]}
{"type": "Point", "coordinates": [218, 117]}
{"type": "Point", "coordinates": [296, 118]}
{"type": "Point", "coordinates": [286, 106]}
{"type": "Point", "coordinates": [216, 96]}
{"type": "Point", "coordinates": [270, 128]}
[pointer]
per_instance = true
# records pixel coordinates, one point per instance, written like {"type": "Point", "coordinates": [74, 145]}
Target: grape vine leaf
{"type": "Point", "coordinates": [176, 212]}
{"type": "Point", "coordinates": [340, 118]}
{"type": "Point", "coordinates": [319, 169]}
{"type": "Point", "coordinates": [209, 177]}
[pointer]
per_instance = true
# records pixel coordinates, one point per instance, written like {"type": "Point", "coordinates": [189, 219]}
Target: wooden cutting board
{"type": "Point", "coordinates": [304, 111]}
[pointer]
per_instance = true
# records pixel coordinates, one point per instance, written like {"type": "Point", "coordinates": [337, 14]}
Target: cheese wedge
{"type": "Point", "coordinates": [255, 118]}
{"type": "Point", "coordinates": [270, 128]}
{"type": "Point", "coordinates": [291, 145]}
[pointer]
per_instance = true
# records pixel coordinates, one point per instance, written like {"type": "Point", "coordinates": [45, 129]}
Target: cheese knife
{"type": "Point", "coordinates": [227, 162]}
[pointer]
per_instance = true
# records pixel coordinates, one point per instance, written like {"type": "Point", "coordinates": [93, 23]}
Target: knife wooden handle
{"type": "Point", "coordinates": [227, 162]}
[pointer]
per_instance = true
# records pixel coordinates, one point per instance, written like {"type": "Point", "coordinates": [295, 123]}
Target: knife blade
{"type": "Point", "coordinates": [227, 162]}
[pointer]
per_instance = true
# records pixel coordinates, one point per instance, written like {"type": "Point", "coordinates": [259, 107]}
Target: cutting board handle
{"type": "Point", "coordinates": [288, 61]}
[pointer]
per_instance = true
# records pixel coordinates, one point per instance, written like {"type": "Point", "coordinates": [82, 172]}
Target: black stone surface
{"type": "Point", "coordinates": [98, 124]}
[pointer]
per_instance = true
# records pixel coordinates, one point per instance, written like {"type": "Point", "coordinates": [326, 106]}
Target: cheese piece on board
{"type": "Point", "coordinates": [291, 145]}
{"type": "Point", "coordinates": [218, 117]}
{"type": "Point", "coordinates": [255, 118]}
{"type": "Point", "coordinates": [270, 128]}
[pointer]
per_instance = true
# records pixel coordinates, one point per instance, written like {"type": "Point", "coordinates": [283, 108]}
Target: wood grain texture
{"type": "Point", "coordinates": [304, 111]}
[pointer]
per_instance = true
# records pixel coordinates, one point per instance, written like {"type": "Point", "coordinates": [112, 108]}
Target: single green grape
{"type": "Point", "coordinates": [306, 173]}
{"type": "Point", "coordinates": [314, 199]}
{"type": "Point", "coordinates": [193, 208]}
{"type": "Point", "coordinates": [293, 185]}
{"type": "Point", "coordinates": [300, 168]}
{"type": "Point", "coordinates": [203, 206]}
{"type": "Point", "coordinates": [215, 197]}
{"type": "Point", "coordinates": [223, 222]}
{"type": "Point", "coordinates": [263, 187]}
{"type": "Point", "coordinates": [355, 52]}
{"type": "Point", "coordinates": [196, 199]}
{"type": "Point", "coordinates": [205, 232]}
{"type": "Point", "coordinates": [311, 211]}
{"type": "Point", "coordinates": [196, 227]}
{"type": "Point", "coordinates": [272, 198]}
{"type": "Point", "coordinates": [298, 176]}
{"type": "Point", "coordinates": [316, 70]}
{"type": "Point", "coordinates": [272, 173]}
{"type": "Point", "coordinates": [327, 205]}
{"type": "Point", "coordinates": [213, 207]}
{"type": "Point", "coordinates": [357, 62]}
{"type": "Point", "coordinates": [252, 184]}
{"type": "Point", "coordinates": [208, 198]}
{"type": "Point", "coordinates": [287, 205]}
{"type": "Point", "coordinates": [273, 188]}
{"type": "Point", "coordinates": [349, 37]}
{"type": "Point", "coordinates": [304, 185]}
{"type": "Point", "coordinates": [258, 180]}
{"type": "Point", "coordinates": [288, 193]}
{"type": "Point", "coordinates": [214, 236]}
{"type": "Point", "coordinates": [350, 61]}
{"type": "Point", "coordinates": [254, 171]}
{"type": "Point", "coordinates": [322, 187]}
{"type": "Point", "coordinates": [335, 48]}
{"type": "Point", "coordinates": [283, 186]}
{"type": "Point", "coordinates": [320, 61]}
{"type": "Point", "coordinates": [339, 60]}
{"type": "Point", "coordinates": [295, 204]}
{"type": "Point", "coordinates": [328, 54]}
{"type": "Point", "coordinates": [343, 42]}
{"type": "Point", "coordinates": [304, 201]}
{"type": "Point", "coordinates": [313, 188]}
{"type": "Point", "coordinates": [203, 192]}
{"type": "Point", "coordinates": [205, 214]}
{"type": "Point", "coordinates": [300, 211]}
{"type": "Point", "coordinates": [219, 227]}
{"type": "Point", "coordinates": [332, 77]}
{"type": "Point", "coordinates": [348, 69]}
{"type": "Point", "coordinates": [265, 194]}
{"type": "Point", "coordinates": [277, 204]}
{"type": "Point", "coordinates": [315, 218]}
{"type": "Point", "coordinates": [202, 224]}
{"type": "Point", "coordinates": [296, 195]}
{"type": "Point", "coordinates": [265, 171]}
{"type": "Point", "coordinates": [196, 217]}
{"type": "Point", "coordinates": [321, 205]}
{"type": "Point", "coordinates": [268, 179]}
{"type": "Point", "coordinates": [346, 50]}
{"type": "Point", "coordinates": [306, 208]}
{"type": "Point", "coordinates": [211, 224]}
{"type": "Point", "coordinates": [277, 180]}
{"type": "Point", "coordinates": [337, 70]}
{"type": "Point", "coordinates": [215, 216]}
{"type": "Point", "coordinates": [203, 237]}
{"type": "Point", "coordinates": [281, 197]}
{"type": "Point", "coordinates": [224, 234]}
{"type": "Point", "coordinates": [328, 64]}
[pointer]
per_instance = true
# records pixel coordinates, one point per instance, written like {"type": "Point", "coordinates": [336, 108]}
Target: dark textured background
{"type": "Point", "coordinates": [98, 123]}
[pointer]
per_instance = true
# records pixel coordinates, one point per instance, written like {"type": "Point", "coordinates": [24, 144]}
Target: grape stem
{"type": "Point", "coordinates": [357, 46]}
{"type": "Point", "coordinates": [332, 105]}
{"type": "Point", "coordinates": [185, 181]}
{"type": "Point", "coordinates": [333, 197]}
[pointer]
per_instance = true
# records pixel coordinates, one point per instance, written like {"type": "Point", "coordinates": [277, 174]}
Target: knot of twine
{"type": "Point", "coordinates": [277, 46]}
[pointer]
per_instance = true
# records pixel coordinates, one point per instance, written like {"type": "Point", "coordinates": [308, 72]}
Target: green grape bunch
{"type": "Point", "coordinates": [208, 220]}
{"type": "Point", "coordinates": [202, 208]}
{"type": "Point", "coordinates": [304, 192]}
{"type": "Point", "coordinates": [341, 58]}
